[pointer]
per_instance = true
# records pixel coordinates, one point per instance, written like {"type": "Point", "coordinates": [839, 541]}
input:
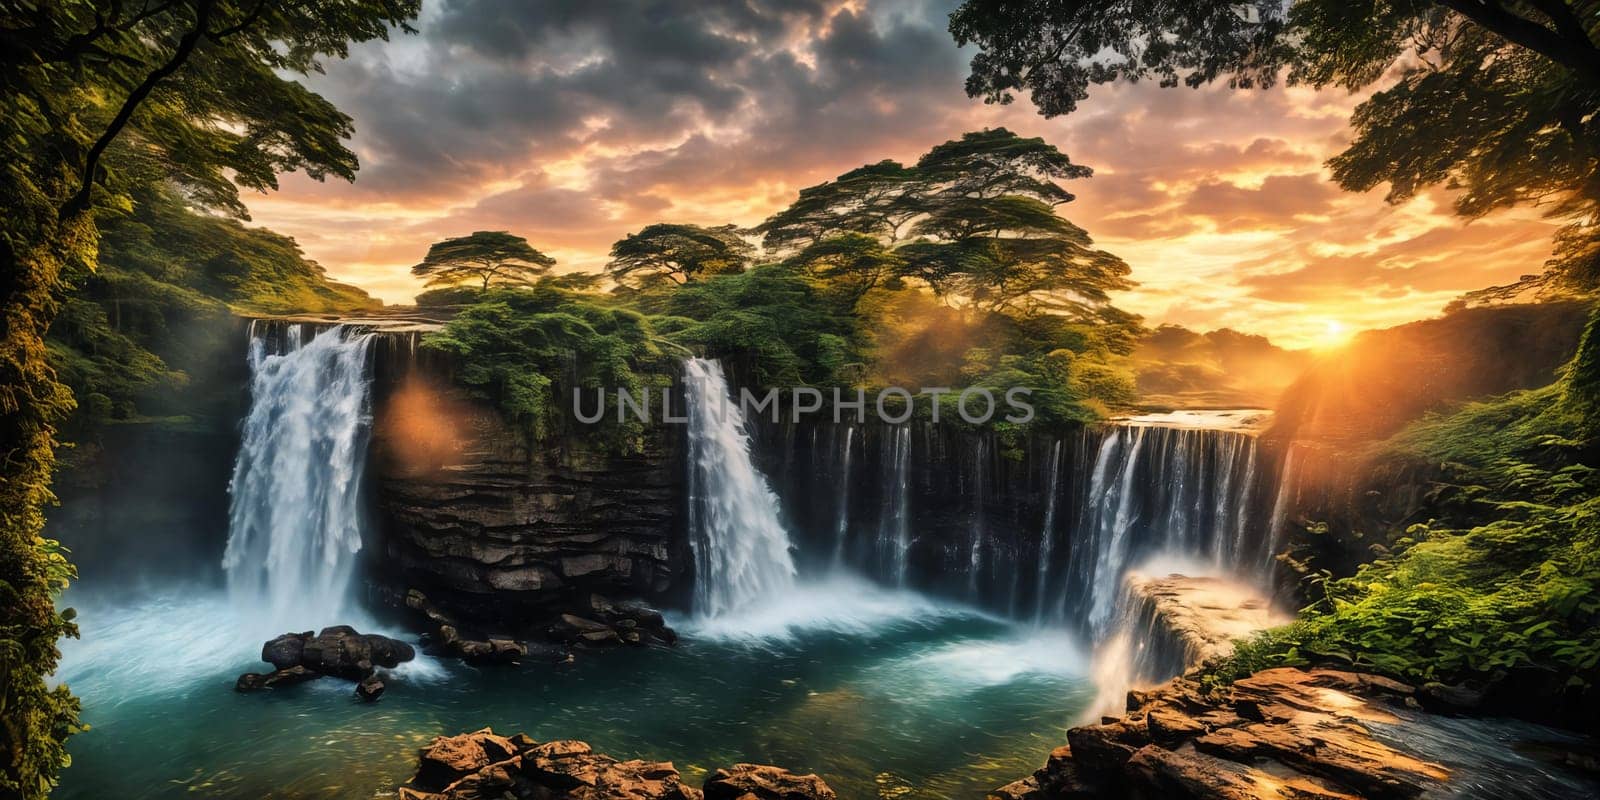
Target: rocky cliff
{"type": "Point", "coordinates": [499, 529]}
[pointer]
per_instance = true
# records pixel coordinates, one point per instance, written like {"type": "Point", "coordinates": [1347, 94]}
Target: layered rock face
{"type": "Point", "coordinates": [498, 531]}
{"type": "Point", "coordinates": [479, 765]}
{"type": "Point", "coordinates": [1277, 735]}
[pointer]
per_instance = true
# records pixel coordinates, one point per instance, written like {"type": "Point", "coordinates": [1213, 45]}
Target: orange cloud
{"type": "Point", "coordinates": [574, 126]}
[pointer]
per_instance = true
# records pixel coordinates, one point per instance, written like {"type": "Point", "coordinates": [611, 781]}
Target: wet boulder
{"type": "Point", "coordinates": [764, 782]}
{"type": "Point", "coordinates": [370, 688]}
{"type": "Point", "coordinates": [476, 765]}
{"type": "Point", "coordinates": [343, 652]}
{"type": "Point", "coordinates": [256, 681]}
{"type": "Point", "coordinates": [285, 651]}
{"type": "Point", "coordinates": [339, 651]}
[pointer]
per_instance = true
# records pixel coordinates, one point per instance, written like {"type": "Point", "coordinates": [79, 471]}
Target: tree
{"type": "Point", "coordinates": [851, 264]}
{"type": "Point", "coordinates": [877, 200]}
{"type": "Point", "coordinates": [679, 253]}
{"type": "Point", "coordinates": [996, 162]}
{"type": "Point", "coordinates": [95, 99]}
{"type": "Point", "coordinates": [1498, 99]}
{"type": "Point", "coordinates": [982, 213]}
{"type": "Point", "coordinates": [492, 258]}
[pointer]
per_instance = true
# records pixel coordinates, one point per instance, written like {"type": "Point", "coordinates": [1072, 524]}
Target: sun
{"type": "Point", "coordinates": [1334, 334]}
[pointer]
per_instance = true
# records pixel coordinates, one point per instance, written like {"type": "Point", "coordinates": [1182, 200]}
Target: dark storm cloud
{"type": "Point", "coordinates": [494, 83]}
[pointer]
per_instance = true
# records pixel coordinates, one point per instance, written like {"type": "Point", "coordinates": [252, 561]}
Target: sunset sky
{"type": "Point", "coordinates": [575, 123]}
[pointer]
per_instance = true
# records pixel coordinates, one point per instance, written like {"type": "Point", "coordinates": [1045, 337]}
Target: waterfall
{"type": "Point", "coordinates": [894, 523]}
{"type": "Point", "coordinates": [975, 563]}
{"type": "Point", "coordinates": [1279, 520]}
{"type": "Point", "coordinates": [295, 516]}
{"type": "Point", "coordinates": [1111, 517]}
{"type": "Point", "coordinates": [841, 528]}
{"type": "Point", "coordinates": [1047, 532]}
{"type": "Point", "coordinates": [741, 550]}
{"type": "Point", "coordinates": [1185, 492]}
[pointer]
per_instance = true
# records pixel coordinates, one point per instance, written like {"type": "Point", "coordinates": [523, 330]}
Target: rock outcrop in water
{"type": "Point", "coordinates": [338, 651]}
{"type": "Point", "coordinates": [762, 782]}
{"type": "Point", "coordinates": [1280, 734]}
{"type": "Point", "coordinates": [481, 764]}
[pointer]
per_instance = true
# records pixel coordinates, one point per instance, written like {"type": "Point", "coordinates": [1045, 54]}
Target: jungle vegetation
{"type": "Point", "coordinates": [98, 102]}
{"type": "Point", "coordinates": [956, 271]}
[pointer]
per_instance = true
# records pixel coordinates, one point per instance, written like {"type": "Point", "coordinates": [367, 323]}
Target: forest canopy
{"type": "Point", "coordinates": [956, 271]}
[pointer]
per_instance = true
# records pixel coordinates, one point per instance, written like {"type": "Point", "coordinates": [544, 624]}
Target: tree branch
{"type": "Point", "coordinates": [1581, 58]}
{"type": "Point", "coordinates": [1566, 22]}
{"type": "Point", "coordinates": [249, 19]}
{"type": "Point", "coordinates": [80, 199]}
{"type": "Point", "coordinates": [84, 42]}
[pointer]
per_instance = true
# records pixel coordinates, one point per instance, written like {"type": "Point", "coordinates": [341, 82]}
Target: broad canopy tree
{"type": "Point", "coordinates": [974, 219]}
{"type": "Point", "coordinates": [487, 258]}
{"type": "Point", "coordinates": [678, 253]}
{"type": "Point", "coordinates": [96, 99]}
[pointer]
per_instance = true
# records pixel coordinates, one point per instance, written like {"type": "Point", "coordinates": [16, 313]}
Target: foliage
{"type": "Point", "coordinates": [1505, 585]}
{"type": "Point", "coordinates": [982, 209]}
{"type": "Point", "coordinates": [849, 265]}
{"type": "Point", "coordinates": [101, 99]}
{"type": "Point", "coordinates": [678, 253]}
{"type": "Point", "coordinates": [168, 285]}
{"type": "Point", "coordinates": [1583, 377]}
{"type": "Point", "coordinates": [876, 200]}
{"type": "Point", "coordinates": [527, 349]}
{"type": "Point", "coordinates": [492, 258]}
{"type": "Point", "coordinates": [1498, 99]}
{"type": "Point", "coordinates": [992, 289]}
{"type": "Point", "coordinates": [771, 322]}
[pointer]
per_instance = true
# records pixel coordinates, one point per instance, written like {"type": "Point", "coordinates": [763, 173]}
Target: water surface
{"type": "Point", "coordinates": [885, 694]}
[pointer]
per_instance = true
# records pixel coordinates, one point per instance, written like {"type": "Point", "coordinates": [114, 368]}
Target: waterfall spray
{"type": "Point", "coordinates": [741, 551]}
{"type": "Point", "coordinates": [295, 518]}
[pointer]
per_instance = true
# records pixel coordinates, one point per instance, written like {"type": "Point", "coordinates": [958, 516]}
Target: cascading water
{"type": "Point", "coordinates": [1110, 514]}
{"type": "Point", "coordinates": [296, 515]}
{"type": "Point", "coordinates": [894, 526]}
{"type": "Point", "coordinates": [841, 528]}
{"type": "Point", "coordinates": [1178, 491]}
{"type": "Point", "coordinates": [741, 550]}
{"type": "Point", "coordinates": [1047, 532]}
{"type": "Point", "coordinates": [979, 529]}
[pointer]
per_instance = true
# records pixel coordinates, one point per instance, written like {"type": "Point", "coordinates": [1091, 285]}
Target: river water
{"type": "Point", "coordinates": [883, 693]}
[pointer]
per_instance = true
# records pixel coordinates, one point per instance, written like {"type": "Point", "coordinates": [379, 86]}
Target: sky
{"type": "Point", "coordinates": [574, 123]}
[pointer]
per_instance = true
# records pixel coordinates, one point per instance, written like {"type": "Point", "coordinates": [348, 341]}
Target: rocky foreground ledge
{"type": "Point", "coordinates": [482, 765]}
{"type": "Point", "coordinates": [1281, 734]}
